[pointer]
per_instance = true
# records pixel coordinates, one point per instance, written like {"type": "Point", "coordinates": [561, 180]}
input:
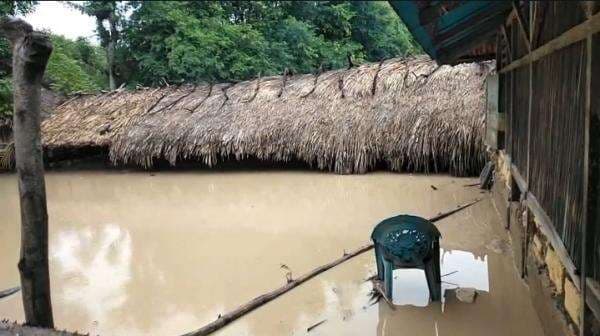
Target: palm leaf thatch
{"type": "Point", "coordinates": [406, 113]}
{"type": "Point", "coordinates": [7, 156]}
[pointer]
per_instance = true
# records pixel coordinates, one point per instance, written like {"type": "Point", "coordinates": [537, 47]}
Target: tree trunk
{"type": "Point", "coordinates": [30, 52]}
{"type": "Point", "coordinates": [110, 52]}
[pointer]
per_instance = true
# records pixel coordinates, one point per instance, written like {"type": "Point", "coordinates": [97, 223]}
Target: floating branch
{"type": "Point", "coordinates": [225, 319]}
{"type": "Point", "coordinates": [309, 329]}
{"type": "Point", "coordinates": [8, 292]}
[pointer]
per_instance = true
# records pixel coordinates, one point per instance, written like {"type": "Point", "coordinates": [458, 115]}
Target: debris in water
{"type": "Point", "coordinates": [449, 273]}
{"type": "Point", "coordinates": [378, 293]}
{"type": "Point", "coordinates": [433, 187]}
{"type": "Point", "coordinates": [309, 329]}
{"type": "Point", "coordinates": [10, 291]}
{"type": "Point", "coordinates": [288, 274]}
{"type": "Point", "coordinates": [466, 295]}
{"type": "Point", "coordinates": [371, 278]}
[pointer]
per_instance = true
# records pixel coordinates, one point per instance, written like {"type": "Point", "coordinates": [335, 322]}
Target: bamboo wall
{"type": "Point", "coordinates": [546, 143]}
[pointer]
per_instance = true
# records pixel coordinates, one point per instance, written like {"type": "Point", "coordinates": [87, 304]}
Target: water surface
{"type": "Point", "coordinates": [165, 253]}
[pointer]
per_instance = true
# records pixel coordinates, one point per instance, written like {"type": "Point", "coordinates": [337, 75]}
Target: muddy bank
{"type": "Point", "coordinates": [164, 253]}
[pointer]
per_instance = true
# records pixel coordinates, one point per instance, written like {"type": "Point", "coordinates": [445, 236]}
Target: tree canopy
{"type": "Point", "coordinates": [156, 42]}
{"type": "Point", "coordinates": [165, 41]}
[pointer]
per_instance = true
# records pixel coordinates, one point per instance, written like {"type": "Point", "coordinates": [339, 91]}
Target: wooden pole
{"type": "Point", "coordinates": [249, 306]}
{"type": "Point", "coordinates": [588, 9]}
{"type": "Point", "coordinates": [30, 51]}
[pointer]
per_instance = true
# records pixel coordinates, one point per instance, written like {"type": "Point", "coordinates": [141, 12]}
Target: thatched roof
{"type": "Point", "coordinates": [406, 113]}
{"type": "Point", "coordinates": [49, 100]}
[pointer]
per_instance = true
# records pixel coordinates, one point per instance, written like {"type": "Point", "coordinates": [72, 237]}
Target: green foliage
{"type": "Point", "coordinates": [194, 41]}
{"type": "Point", "coordinates": [9, 8]}
{"type": "Point", "coordinates": [75, 66]}
{"type": "Point", "coordinates": [21, 7]}
{"type": "Point", "coordinates": [6, 97]}
{"type": "Point", "coordinates": [237, 40]}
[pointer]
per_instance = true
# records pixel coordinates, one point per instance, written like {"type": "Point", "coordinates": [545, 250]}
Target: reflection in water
{"type": "Point", "coordinates": [94, 267]}
{"type": "Point", "coordinates": [135, 254]}
{"type": "Point", "coordinates": [460, 269]}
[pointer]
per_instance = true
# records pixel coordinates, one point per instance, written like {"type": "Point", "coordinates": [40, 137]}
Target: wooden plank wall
{"type": "Point", "coordinates": [548, 77]}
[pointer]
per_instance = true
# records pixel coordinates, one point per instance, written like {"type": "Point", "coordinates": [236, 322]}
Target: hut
{"type": "Point", "coordinates": [405, 114]}
{"type": "Point", "coordinates": [542, 120]}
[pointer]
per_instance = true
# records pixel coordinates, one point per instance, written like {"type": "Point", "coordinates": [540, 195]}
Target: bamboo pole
{"type": "Point", "coordinates": [30, 51]}
{"type": "Point", "coordinates": [258, 301]}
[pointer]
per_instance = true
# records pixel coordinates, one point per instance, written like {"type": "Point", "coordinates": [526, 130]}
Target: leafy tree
{"type": "Point", "coordinates": [112, 13]}
{"type": "Point", "coordinates": [9, 8]}
{"type": "Point", "coordinates": [236, 40]}
{"type": "Point", "coordinates": [380, 31]}
{"type": "Point", "coordinates": [75, 66]}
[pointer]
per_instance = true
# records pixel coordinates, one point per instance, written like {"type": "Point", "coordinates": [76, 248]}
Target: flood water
{"type": "Point", "coordinates": [165, 253]}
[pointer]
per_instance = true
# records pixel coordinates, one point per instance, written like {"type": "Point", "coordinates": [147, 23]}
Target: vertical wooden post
{"type": "Point", "coordinates": [30, 51]}
{"type": "Point", "coordinates": [586, 170]}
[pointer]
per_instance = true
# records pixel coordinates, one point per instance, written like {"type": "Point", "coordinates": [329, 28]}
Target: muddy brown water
{"type": "Point", "coordinates": [165, 253]}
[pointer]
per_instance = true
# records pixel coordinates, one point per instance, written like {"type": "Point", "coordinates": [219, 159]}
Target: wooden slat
{"type": "Point", "coordinates": [593, 287]}
{"type": "Point", "coordinates": [507, 40]}
{"type": "Point", "coordinates": [573, 35]}
{"type": "Point", "coordinates": [521, 183]}
{"type": "Point", "coordinates": [524, 32]}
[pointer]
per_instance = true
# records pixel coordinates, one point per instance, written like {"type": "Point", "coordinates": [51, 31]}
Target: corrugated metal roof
{"type": "Point", "coordinates": [451, 30]}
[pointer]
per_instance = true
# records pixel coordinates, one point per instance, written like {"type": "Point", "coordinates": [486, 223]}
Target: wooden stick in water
{"type": "Point", "coordinates": [258, 301]}
{"type": "Point", "coordinates": [10, 291]}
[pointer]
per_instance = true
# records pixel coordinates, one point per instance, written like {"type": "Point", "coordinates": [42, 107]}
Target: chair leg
{"type": "Point", "coordinates": [432, 273]}
{"type": "Point", "coordinates": [389, 279]}
{"type": "Point", "coordinates": [379, 262]}
{"type": "Point", "coordinates": [438, 271]}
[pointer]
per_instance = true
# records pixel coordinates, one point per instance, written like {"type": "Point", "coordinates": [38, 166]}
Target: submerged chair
{"type": "Point", "coordinates": [408, 242]}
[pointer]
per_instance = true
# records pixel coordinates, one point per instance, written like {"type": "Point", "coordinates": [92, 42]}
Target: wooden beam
{"type": "Point", "coordinates": [573, 35]}
{"type": "Point", "coordinates": [521, 183]}
{"type": "Point", "coordinates": [507, 40]}
{"type": "Point", "coordinates": [510, 18]}
{"type": "Point", "coordinates": [586, 170]}
{"type": "Point", "coordinates": [521, 20]}
{"type": "Point", "coordinates": [530, 103]}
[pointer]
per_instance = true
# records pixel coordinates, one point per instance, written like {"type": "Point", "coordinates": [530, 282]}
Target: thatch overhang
{"type": "Point", "coordinates": [409, 114]}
